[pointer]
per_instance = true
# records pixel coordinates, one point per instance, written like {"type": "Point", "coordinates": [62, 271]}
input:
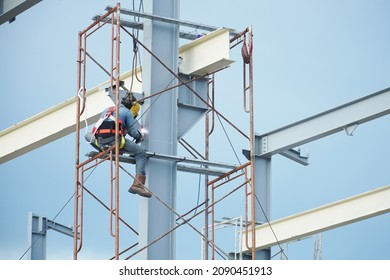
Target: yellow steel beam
{"type": "Point", "coordinates": [329, 216]}
{"type": "Point", "coordinates": [55, 122]}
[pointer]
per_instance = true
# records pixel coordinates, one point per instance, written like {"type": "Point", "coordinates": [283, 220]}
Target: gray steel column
{"type": "Point", "coordinates": [36, 237]}
{"type": "Point", "coordinates": [161, 121]}
{"type": "Point", "coordinates": [263, 195]}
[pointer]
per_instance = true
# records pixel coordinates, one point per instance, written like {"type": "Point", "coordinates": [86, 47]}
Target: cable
{"type": "Point", "coordinates": [136, 53]}
{"type": "Point", "coordinates": [223, 127]}
{"type": "Point", "coordinates": [197, 201]}
{"type": "Point", "coordinates": [59, 212]}
{"type": "Point", "coordinates": [150, 106]}
{"type": "Point", "coordinates": [269, 224]}
{"type": "Point", "coordinates": [46, 228]}
{"type": "Point", "coordinates": [227, 136]}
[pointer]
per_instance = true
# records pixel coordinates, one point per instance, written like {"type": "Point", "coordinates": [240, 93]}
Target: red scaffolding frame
{"type": "Point", "coordinates": [112, 17]}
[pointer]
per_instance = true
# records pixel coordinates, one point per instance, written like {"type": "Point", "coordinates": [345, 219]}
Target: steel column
{"type": "Point", "coordinates": [37, 231]}
{"type": "Point", "coordinates": [262, 169]}
{"type": "Point", "coordinates": [36, 237]}
{"type": "Point", "coordinates": [162, 39]}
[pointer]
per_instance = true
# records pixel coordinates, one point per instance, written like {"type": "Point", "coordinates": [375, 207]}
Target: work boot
{"type": "Point", "coordinates": [138, 186]}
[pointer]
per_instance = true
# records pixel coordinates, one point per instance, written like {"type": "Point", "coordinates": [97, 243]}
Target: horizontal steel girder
{"type": "Point", "coordinates": [58, 122]}
{"type": "Point", "coordinates": [336, 214]}
{"type": "Point", "coordinates": [324, 124]}
{"type": "Point", "coordinates": [9, 9]}
{"type": "Point", "coordinates": [179, 22]}
{"type": "Point", "coordinates": [140, 26]}
{"type": "Point", "coordinates": [201, 166]}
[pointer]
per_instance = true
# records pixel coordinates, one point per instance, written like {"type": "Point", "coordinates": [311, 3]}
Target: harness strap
{"type": "Point", "coordinates": [108, 128]}
{"type": "Point", "coordinates": [107, 131]}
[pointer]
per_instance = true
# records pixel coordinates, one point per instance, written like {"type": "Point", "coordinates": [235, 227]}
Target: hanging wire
{"type": "Point", "coordinates": [228, 138]}
{"type": "Point", "coordinates": [154, 101]}
{"type": "Point", "coordinates": [140, 9]}
{"type": "Point", "coordinates": [223, 127]}
{"type": "Point", "coordinates": [270, 226]}
{"type": "Point", "coordinates": [136, 53]}
{"type": "Point", "coordinates": [47, 226]}
{"type": "Point", "coordinates": [197, 201]}
{"type": "Point", "coordinates": [62, 208]}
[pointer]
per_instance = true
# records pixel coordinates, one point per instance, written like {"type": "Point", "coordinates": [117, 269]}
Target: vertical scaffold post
{"type": "Point", "coordinates": [115, 74]}
{"type": "Point", "coordinates": [261, 176]}
{"type": "Point", "coordinates": [112, 16]}
{"type": "Point", "coordinates": [252, 141]}
{"type": "Point", "coordinates": [79, 111]}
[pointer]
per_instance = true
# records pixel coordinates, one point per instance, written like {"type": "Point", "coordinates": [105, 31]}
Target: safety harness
{"type": "Point", "coordinates": [104, 128]}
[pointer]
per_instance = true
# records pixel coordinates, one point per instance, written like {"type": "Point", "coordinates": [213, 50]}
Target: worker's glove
{"type": "Point", "coordinates": [141, 137]}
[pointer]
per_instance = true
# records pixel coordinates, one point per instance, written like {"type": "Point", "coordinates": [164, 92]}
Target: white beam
{"type": "Point", "coordinates": [60, 120]}
{"type": "Point", "coordinates": [206, 54]}
{"type": "Point", "coordinates": [353, 113]}
{"type": "Point", "coordinates": [336, 214]}
{"type": "Point", "coordinates": [55, 122]}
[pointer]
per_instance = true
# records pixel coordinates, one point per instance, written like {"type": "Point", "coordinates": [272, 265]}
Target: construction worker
{"type": "Point", "coordinates": [103, 136]}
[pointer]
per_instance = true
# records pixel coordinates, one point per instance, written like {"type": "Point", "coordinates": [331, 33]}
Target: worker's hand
{"type": "Point", "coordinates": [141, 137]}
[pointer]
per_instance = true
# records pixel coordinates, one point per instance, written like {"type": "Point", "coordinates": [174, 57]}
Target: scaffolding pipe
{"type": "Point", "coordinates": [252, 148]}
{"type": "Point", "coordinates": [80, 108]}
{"type": "Point", "coordinates": [113, 16]}
{"type": "Point", "coordinates": [115, 72]}
{"type": "Point", "coordinates": [77, 183]}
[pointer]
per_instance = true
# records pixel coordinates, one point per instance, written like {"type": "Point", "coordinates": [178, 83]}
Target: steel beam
{"type": "Point", "coordinates": [202, 166]}
{"type": "Point", "coordinates": [262, 182]}
{"type": "Point", "coordinates": [201, 170]}
{"type": "Point", "coordinates": [36, 237]}
{"type": "Point", "coordinates": [140, 26]}
{"type": "Point", "coordinates": [294, 155]}
{"type": "Point", "coordinates": [9, 9]}
{"type": "Point", "coordinates": [58, 122]}
{"type": "Point", "coordinates": [336, 214]}
{"type": "Point", "coordinates": [207, 54]}
{"type": "Point", "coordinates": [178, 22]}
{"type": "Point", "coordinates": [329, 122]}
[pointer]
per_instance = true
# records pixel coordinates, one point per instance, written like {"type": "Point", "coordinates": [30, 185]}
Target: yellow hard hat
{"type": "Point", "coordinates": [135, 108]}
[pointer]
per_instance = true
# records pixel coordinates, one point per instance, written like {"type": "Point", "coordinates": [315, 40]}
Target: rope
{"type": "Point", "coordinates": [81, 94]}
{"type": "Point", "coordinates": [270, 226]}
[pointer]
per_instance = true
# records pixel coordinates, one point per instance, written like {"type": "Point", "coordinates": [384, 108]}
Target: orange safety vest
{"type": "Point", "coordinates": [104, 128]}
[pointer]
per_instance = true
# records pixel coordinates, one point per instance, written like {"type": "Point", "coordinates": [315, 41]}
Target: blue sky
{"type": "Point", "coordinates": [309, 56]}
